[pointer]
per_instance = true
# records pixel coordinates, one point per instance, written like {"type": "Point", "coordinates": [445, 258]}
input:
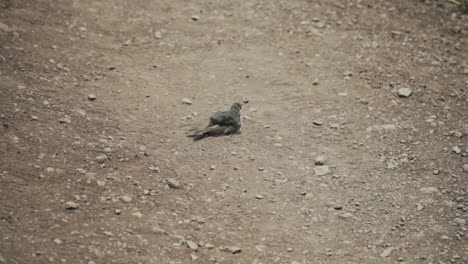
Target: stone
{"type": "Point", "coordinates": [173, 183]}
{"type": "Point", "coordinates": [428, 190]}
{"type": "Point", "coordinates": [235, 250]}
{"type": "Point", "coordinates": [456, 150]}
{"type": "Point", "coordinates": [259, 196]}
{"type": "Point", "coordinates": [101, 158]}
{"type": "Point", "coordinates": [321, 170]}
{"type": "Point", "coordinates": [348, 74]}
{"type": "Point", "coordinates": [4, 27]}
{"type": "Point", "coordinates": [58, 241]}
{"type": "Point", "coordinates": [460, 221]}
{"type": "Point", "coordinates": [157, 35]}
{"type": "Point", "coordinates": [137, 214]}
{"type": "Point", "coordinates": [245, 99]}
{"type": "Point", "coordinates": [404, 92]}
{"type": "Point", "coordinates": [155, 169]}
{"type": "Point", "coordinates": [387, 252]}
{"type": "Point", "coordinates": [363, 101]}
{"type": "Point", "coordinates": [195, 18]}
{"type": "Point", "coordinates": [72, 205]}
{"type": "Point", "coordinates": [318, 122]}
{"type": "Point", "coordinates": [186, 101]}
{"type": "Point", "coordinates": [126, 199]}
{"type": "Point", "coordinates": [101, 183]}
{"type": "Point", "coordinates": [65, 121]}
{"type": "Point", "coordinates": [320, 160]}
{"type": "Point", "coordinates": [465, 168]}
{"type": "Point", "coordinates": [346, 215]}
{"type": "Point", "coordinates": [92, 97]}
{"type": "Point", "coordinates": [192, 245]}
{"type": "Point", "coordinates": [315, 82]}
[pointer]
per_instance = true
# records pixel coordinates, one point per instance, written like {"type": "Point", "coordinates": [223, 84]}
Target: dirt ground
{"type": "Point", "coordinates": [116, 180]}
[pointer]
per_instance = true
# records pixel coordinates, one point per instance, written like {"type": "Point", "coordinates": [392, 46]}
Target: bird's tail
{"type": "Point", "coordinates": [207, 131]}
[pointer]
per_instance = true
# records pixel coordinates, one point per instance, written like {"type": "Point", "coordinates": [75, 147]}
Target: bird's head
{"type": "Point", "coordinates": [236, 106]}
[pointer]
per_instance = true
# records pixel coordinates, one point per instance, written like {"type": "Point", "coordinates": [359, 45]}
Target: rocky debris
{"type": "Point", "coordinates": [65, 120]}
{"type": "Point", "coordinates": [456, 133]}
{"type": "Point", "coordinates": [173, 183]}
{"type": "Point", "coordinates": [245, 99]}
{"type": "Point", "coordinates": [186, 101]}
{"type": "Point", "coordinates": [404, 92]}
{"type": "Point", "coordinates": [259, 196]}
{"type": "Point", "coordinates": [320, 160]}
{"type": "Point", "coordinates": [195, 18]}
{"type": "Point", "coordinates": [101, 158]}
{"type": "Point", "coordinates": [232, 249]}
{"type": "Point", "coordinates": [318, 122]}
{"type": "Point", "coordinates": [465, 168]}
{"type": "Point", "coordinates": [192, 245]}
{"type": "Point", "coordinates": [137, 214]}
{"type": "Point", "coordinates": [428, 190]}
{"type": "Point", "coordinates": [157, 35]}
{"type": "Point", "coordinates": [348, 74]}
{"type": "Point", "coordinates": [72, 205]}
{"type": "Point", "coordinates": [315, 82]}
{"type": "Point", "coordinates": [363, 101]}
{"type": "Point", "coordinates": [101, 183]}
{"type": "Point", "coordinates": [126, 199]}
{"type": "Point", "coordinates": [92, 97]}
{"type": "Point", "coordinates": [459, 221]}
{"type": "Point", "coordinates": [154, 169]}
{"type": "Point", "coordinates": [321, 170]}
{"type": "Point", "coordinates": [456, 150]}
{"type": "Point", "coordinates": [346, 215]}
{"type": "Point", "coordinates": [387, 252]}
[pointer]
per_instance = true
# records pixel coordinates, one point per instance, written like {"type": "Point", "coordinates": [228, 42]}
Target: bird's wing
{"type": "Point", "coordinates": [224, 119]}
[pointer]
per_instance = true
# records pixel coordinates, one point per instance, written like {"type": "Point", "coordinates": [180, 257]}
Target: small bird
{"type": "Point", "coordinates": [221, 123]}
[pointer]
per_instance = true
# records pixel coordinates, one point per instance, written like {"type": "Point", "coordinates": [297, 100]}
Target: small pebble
{"type": "Point", "coordinates": [192, 245]}
{"type": "Point", "coordinates": [404, 92]}
{"type": "Point", "coordinates": [72, 206]}
{"type": "Point", "coordinates": [318, 122]}
{"type": "Point", "coordinates": [126, 199]}
{"type": "Point", "coordinates": [456, 150]}
{"type": "Point", "coordinates": [173, 183]}
{"type": "Point", "coordinates": [65, 121]}
{"type": "Point", "coordinates": [321, 170]}
{"type": "Point", "coordinates": [320, 160]}
{"type": "Point", "coordinates": [92, 97]}
{"type": "Point", "coordinates": [465, 168]}
{"type": "Point", "coordinates": [186, 101]}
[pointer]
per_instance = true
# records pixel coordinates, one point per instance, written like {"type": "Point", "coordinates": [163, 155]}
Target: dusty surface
{"type": "Point", "coordinates": [394, 186]}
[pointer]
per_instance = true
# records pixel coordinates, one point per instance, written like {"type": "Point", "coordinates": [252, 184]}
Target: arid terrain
{"type": "Point", "coordinates": [354, 143]}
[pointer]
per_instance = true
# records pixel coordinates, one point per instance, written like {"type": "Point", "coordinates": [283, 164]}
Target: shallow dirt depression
{"type": "Point", "coordinates": [353, 147]}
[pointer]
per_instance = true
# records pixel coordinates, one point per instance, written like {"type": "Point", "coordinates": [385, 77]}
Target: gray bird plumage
{"type": "Point", "coordinates": [221, 123]}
